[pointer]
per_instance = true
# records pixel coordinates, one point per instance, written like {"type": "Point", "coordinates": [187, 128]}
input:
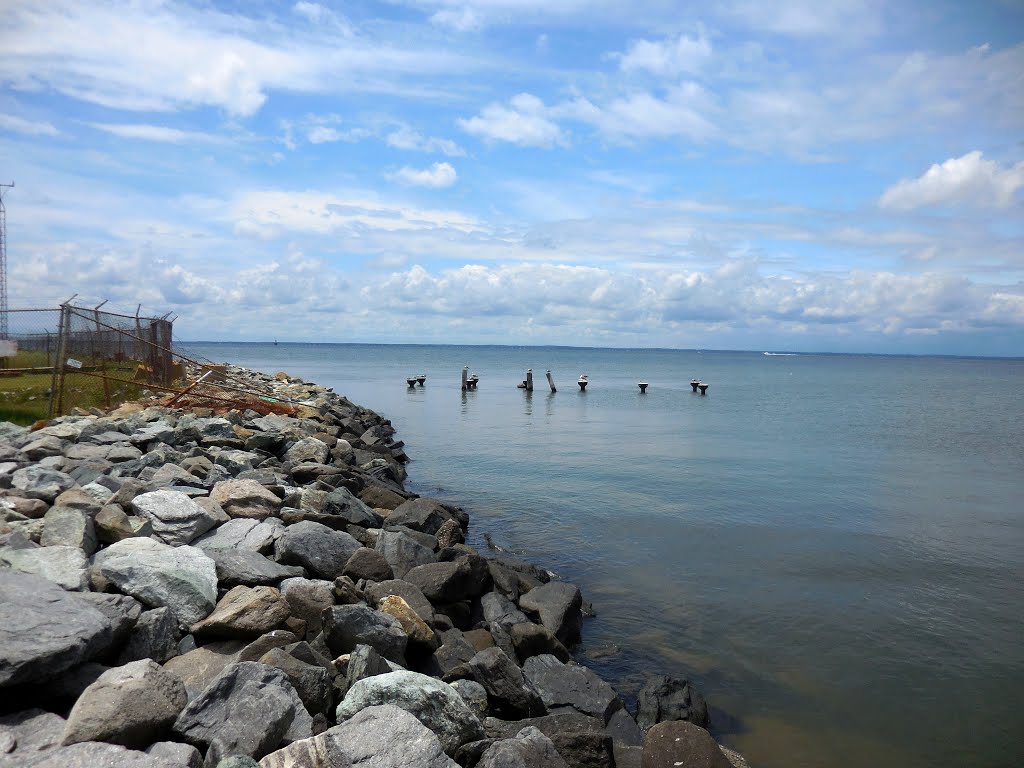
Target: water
{"type": "Point", "coordinates": [831, 546]}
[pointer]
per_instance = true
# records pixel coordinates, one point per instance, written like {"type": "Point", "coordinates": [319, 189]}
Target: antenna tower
{"type": "Point", "coordinates": [3, 262]}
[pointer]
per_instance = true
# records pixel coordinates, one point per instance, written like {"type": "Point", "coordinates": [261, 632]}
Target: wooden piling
{"type": "Point", "coordinates": [551, 381]}
{"type": "Point", "coordinates": [465, 378]}
{"type": "Point", "coordinates": [529, 379]}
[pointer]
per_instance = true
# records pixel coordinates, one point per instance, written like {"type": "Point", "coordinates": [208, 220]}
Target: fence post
{"type": "Point", "coordinates": [57, 380]}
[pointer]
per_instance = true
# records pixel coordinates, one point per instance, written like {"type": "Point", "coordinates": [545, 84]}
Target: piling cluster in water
{"type": "Point", "coordinates": [180, 587]}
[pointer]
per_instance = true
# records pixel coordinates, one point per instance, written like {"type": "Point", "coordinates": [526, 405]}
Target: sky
{"type": "Point", "coordinates": [804, 176]}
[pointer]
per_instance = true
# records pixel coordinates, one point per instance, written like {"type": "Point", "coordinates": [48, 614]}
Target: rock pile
{"type": "Point", "coordinates": [188, 588]}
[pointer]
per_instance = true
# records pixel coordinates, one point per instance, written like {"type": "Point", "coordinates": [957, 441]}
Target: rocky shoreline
{"type": "Point", "coordinates": [184, 587]}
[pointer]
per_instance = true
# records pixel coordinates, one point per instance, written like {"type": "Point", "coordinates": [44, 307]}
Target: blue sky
{"type": "Point", "coordinates": [837, 176]}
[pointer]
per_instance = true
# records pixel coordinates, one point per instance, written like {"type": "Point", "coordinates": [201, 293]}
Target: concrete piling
{"type": "Point", "coordinates": [703, 388]}
{"type": "Point", "coordinates": [643, 387]}
{"type": "Point", "coordinates": [465, 378]}
{"type": "Point", "coordinates": [583, 381]}
{"type": "Point", "coordinates": [694, 383]}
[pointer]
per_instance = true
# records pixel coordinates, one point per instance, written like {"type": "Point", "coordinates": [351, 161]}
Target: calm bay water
{"type": "Point", "coordinates": [831, 546]}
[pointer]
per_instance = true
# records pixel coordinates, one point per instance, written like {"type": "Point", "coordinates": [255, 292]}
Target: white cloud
{"type": "Point", "coordinates": [846, 20]}
{"type": "Point", "coordinates": [405, 137]}
{"type": "Point", "coordinates": [684, 111]}
{"type": "Point", "coordinates": [170, 55]}
{"type": "Point", "coordinates": [156, 133]}
{"type": "Point", "coordinates": [970, 180]}
{"type": "Point", "coordinates": [666, 57]}
{"type": "Point", "coordinates": [28, 127]}
{"type": "Point", "coordinates": [463, 19]}
{"type": "Point", "coordinates": [322, 134]}
{"type": "Point", "coordinates": [523, 122]}
{"type": "Point", "coordinates": [438, 175]}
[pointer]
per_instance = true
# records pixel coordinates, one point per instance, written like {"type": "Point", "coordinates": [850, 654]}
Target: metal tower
{"type": "Point", "coordinates": [3, 263]}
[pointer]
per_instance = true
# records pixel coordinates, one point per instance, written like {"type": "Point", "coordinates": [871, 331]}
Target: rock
{"type": "Point", "coordinates": [322, 551]}
{"type": "Point", "coordinates": [378, 737]}
{"type": "Point", "coordinates": [510, 694]}
{"type": "Point", "coordinates": [365, 662]}
{"type": "Point", "coordinates": [378, 497]}
{"type": "Point", "coordinates": [132, 705]}
{"type": "Point", "coordinates": [341, 503]}
{"type": "Point", "coordinates": [585, 749]}
{"type": "Point", "coordinates": [155, 636]}
{"type": "Point", "coordinates": [403, 589]}
{"type": "Point", "coordinates": [623, 728]}
{"type": "Point", "coordinates": [422, 514]}
{"type": "Point", "coordinates": [244, 612]}
{"type": "Point", "coordinates": [312, 682]}
{"type": "Point", "coordinates": [529, 749]}
{"type": "Point", "coordinates": [243, 533]}
{"type": "Point", "coordinates": [37, 482]}
{"type": "Point", "coordinates": [307, 600]}
{"type": "Point", "coordinates": [176, 519]}
{"type": "Point", "coordinates": [250, 568]}
{"type": "Point", "coordinates": [69, 527]}
{"type": "Point", "coordinates": [433, 703]}
{"type": "Point", "coordinates": [112, 524]}
{"type": "Point", "coordinates": [479, 639]}
{"type": "Point", "coordinates": [308, 449]}
{"type": "Point", "coordinates": [122, 610]}
{"type": "Point", "coordinates": [420, 635]}
{"type": "Point", "coordinates": [182, 755]}
{"type": "Point", "coordinates": [347, 626]}
{"type": "Point", "coordinates": [65, 566]}
{"type": "Point", "coordinates": [45, 630]}
{"type": "Point", "coordinates": [557, 605]}
{"type": "Point", "coordinates": [474, 695]}
{"type": "Point", "coordinates": [278, 638]}
{"type": "Point", "coordinates": [91, 754]}
{"type": "Point", "coordinates": [182, 578]}
{"type": "Point", "coordinates": [247, 710]}
{"type": "Point", "coordinates": [25, 734]}
{"type": "Point", "coordinates": [530, 639]}
{"type": "Point", "coordinates": [171, 474]}
{"type": "Point", "coordinates": [78, 498]}
{"type": "Point", "coordinates": [30, 508]}
{"type": "Point", "coordinates": [666, 698]}
{"type": "Point", "coordinates": [235, 461]}
{"type": "Point", "coordinates": [498, 609]}
{"type": "Point", "coordinates": [570, 685]}
{"type": "Point", "coordinates": [42, 447]}
{"type": "Point", "coordinates": [444, 582]}
{"type": "Point", "coordinates": [245, 498]}
{"type": "Point", "coordinates": [346, 592]}
{"type": "Point", "coordinates": [449, 533]}
{"type": "Point", "coordinates": [199, 667]}
{"type": "Point", "coordinates": [402, 552]}
{"type": "Point", "coordinates": [680, 743]}
{"type": "Point", "coordinates": [368, 564]}
{"type": "Point", "coordinates": [550, 725]}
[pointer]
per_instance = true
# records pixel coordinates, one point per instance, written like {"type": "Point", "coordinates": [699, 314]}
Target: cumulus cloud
{"type": "Point", "coordinates": [523, 122]}
{"type": "Point", "coordinates": [28, 127]}
{"type": "Point", "coordinates": [682, 111]}
{"type": "Point", "coordinates": [323, 134]}
{"type": "Point", "coordinates": [666, 57]}
{"type": "Point", "coordinates": [438, 175]}
{"type": "Point", "coordinates": [969, 180]}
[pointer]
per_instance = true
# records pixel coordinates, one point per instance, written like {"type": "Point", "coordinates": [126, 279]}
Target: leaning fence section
{"type": "Point", "coordinates": [54, 361]}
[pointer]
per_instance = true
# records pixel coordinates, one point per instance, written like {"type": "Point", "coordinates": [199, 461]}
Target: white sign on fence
{"type": "Point", "coordinates": [8, 347]}
{"type": "Point", "coordinates": [72, 363]}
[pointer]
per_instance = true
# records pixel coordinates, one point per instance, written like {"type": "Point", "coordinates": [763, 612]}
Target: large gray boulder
{"type": "Point", "coordinates": [422, 514]}
{"type": "Point", "coordinates": [433, 703]}
{"type": "Point", "coordinates": [69, 527]}
{"type": "Point", "coordinates": [403, 552]}
{"type": "Point", "coordinates": [201, 666]}
{"type": "Point", "coordinates": [92, 754]}
{"type": "Point", "coordinates": [558, 607]}
{"type": "Point", "coordinates": [176, 519]}
{"type": "Point", "coordinates": [498, 609]}
{"type": "Point", "coordinates": [182, 578]}
{"type": "Point", "coordinates": [133, 705]}
{"type": "Point", "coordinates": [317, 548]}
{"type": "Point", "coordinates": [241, 566]}
{"type": "Point", "coordinates": [249, 709]}
{"type": "Point", "coordinates": [24, 734]}
{"type": "Point", "coordinates": [511, 695]}
{"type": "Point", "coordinates": [446, 582]}
{"type": "Point", "coordinates": [243, 533]}
{"type": "Point", "coordinates": [383, 736]}
{"type": "Point", "coordinates": [571, 686]}
{"type": "Point", "coordinates": [529, 749]}
{"type": "Point", "coordinates": [311, 681]}
{"type": "Point", "coordinates": [45, 630]}
{"type": "Point", "coordinates": [341, 503]}
{"type": "Point", "coordinates": [346, 626]}
{"type": "Point", "coordinates": [368, 564]}
{"type": "Point", "coordinates": [154, 636]}
{"type": "Point", "coordinates": [65, 566]}
{"type": "Point", "coordinates": [308, 449]}
{"type": "Point", "coordinates": [38, 482]}
{"type": "Point", "coordinates": [408, 592]}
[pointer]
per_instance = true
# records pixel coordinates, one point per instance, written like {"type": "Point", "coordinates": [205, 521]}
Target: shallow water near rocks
{"type": "Point", "coordinates": [831, 546]}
